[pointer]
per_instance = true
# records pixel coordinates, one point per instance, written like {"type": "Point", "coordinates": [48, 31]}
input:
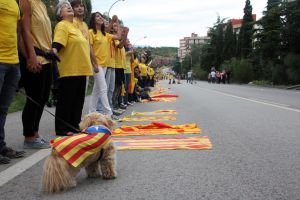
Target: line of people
{"type": "Point", "coordinates": [101, 50]}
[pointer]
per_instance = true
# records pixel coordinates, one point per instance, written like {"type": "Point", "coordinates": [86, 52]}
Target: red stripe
{"type": "Point", "coordinates": [55, 144]}
{"type": "Point", "coordinates": [88, 148]}
{"type": "Point", "coordinates": [74, 143]}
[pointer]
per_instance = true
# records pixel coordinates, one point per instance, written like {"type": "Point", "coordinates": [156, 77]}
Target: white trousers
{"type": "Point", "coordinates": [99, 93]}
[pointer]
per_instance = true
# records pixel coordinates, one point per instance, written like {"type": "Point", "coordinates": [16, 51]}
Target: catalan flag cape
{"type": "Point", "coordinates": [75, 149]}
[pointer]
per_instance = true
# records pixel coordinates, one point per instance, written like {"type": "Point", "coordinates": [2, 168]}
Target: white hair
{"type": "Point", "coordinates": [60, 5]}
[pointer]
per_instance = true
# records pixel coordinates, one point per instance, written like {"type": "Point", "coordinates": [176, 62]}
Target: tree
{"type": "Point", "coordinates": [229, 42]}
{"type": "Point", "coordinates": [244, 47]}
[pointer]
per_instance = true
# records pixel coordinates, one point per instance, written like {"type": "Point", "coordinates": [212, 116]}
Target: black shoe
{"type": "Point", "coordinates": [10, 153]}
{"type": "Point", "coordinates": [4, 160]}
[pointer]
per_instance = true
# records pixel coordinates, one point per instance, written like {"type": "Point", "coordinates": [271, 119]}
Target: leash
{"type": "Point", "coordinates": [39, 105]}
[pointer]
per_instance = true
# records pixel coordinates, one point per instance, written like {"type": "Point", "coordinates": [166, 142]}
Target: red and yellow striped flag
{"type": "Point", "coordinates": [75, 149]}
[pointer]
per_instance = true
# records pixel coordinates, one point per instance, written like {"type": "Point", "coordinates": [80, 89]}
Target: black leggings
{"type": "Point", "coordinates": [71, 94]}
{"type": "Point", "coordinates": [37, 86]}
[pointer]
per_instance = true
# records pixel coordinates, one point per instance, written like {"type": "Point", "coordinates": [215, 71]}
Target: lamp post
{"type": "Point", "coordinates": [112, 6]}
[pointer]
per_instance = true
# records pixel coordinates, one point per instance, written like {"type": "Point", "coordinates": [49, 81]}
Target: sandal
{"type": "Point", "coordinates": [10, 153]}
{"type": "Point", "coordinates": [4, 160]}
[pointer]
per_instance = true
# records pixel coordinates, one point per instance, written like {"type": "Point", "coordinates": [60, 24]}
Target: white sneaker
{"type": "Point", "coordinates": [115, 118]}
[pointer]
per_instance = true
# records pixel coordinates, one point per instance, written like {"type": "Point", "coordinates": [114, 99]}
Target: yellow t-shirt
{"type": "Point", "coordinates": [82, 26]}
{"type": "Point", "coordinates": [120, 58]}
{"type": "Point", "coordinates": [74, 56]}
{"type": "Point", "coordinates": [127, 70]}
{"type": "Point", "coordinates": [9, 16]}
{"type": "Point", "coordinates": [150, 72]}
{"type": "Point", "coordinates": [41, 31]}
{"type": "Point", "coordinates": [143, 69]}
{"type": "Point", "coordinates": [101, 47]}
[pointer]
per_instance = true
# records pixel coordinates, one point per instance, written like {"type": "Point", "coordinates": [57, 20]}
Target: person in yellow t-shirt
{"type": "Point", "coordinates": [128, 83]}
{"type": "Point", "coordinates": [143, 72]}
{"type": "Point", "coordinates": [79, 9]}
{"type": "Point", "coordinates": [120, 64]}
{"type": "Point", "coordinates": [100, 43]}
{"type": "Point", "coordinates": [75, 65]}
{"type": "Point", "coordinates": [150, 72]}
{"type": "Point", "coordinates": [9, 70]}
{"type": "Point", "coordinates": [36, 69]}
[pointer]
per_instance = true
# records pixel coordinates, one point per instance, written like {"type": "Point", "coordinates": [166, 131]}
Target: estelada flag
{"type": "Point", "coordinates": [75, 149]}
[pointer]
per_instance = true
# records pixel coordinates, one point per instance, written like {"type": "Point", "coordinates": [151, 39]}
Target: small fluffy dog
{"type": "Point", "coordinates": [59, 175]}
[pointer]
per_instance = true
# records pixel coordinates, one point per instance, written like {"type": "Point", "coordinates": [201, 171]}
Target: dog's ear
{"type": "Point", "coordinates": [87, 121]}
{"type": "Point", "coordinates": [84, 123]}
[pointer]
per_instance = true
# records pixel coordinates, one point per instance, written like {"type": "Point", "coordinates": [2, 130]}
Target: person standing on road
{"type": "Point", "coordinates": [75, 65]}
{"type": "Point", "coordinates": [100, 42]}
{"type": "Point", "coordinates": [36, 69]}
{"type": "Point", "coordinates": [9, 70]}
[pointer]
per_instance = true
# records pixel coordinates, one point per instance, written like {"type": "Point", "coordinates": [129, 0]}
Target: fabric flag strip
{"type": "Point", "coordinates": [171, 99]}
{"type": "Point", "coordinates": [164, 96]}
{"type": "Point", "coordinates": [75, 149]}
{"type": "Point", "coordinates": [147, 118]}
{"type": "Point", "coordinates": [156, 112]}
{"type": "Point", "coordinates": [177, 143]}
{"type": "Point", "coordinates": [157, 91]}
{"type": "Point", "coordinates": [157, 128]}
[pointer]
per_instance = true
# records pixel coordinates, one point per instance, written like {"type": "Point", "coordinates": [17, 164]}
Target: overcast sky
{"type": "Point", "coordinates": [164, 22]}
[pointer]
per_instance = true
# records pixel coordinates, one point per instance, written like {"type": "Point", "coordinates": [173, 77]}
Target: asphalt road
{"type": "Point", "coordinates": [255, 134]}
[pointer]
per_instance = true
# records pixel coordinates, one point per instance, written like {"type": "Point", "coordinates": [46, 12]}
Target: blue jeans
{"type": "Point", "coordinates": [126, 85]}
{"type": "Point", "coordinates": [9, 79]}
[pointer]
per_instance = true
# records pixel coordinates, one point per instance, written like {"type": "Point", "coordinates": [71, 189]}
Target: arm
{"type": "Point", "coordinates": [124, 34]}
{"type": "Point", "coordinates": [32, 64]}
{"type": "Point", "coordinates": [93, 60]}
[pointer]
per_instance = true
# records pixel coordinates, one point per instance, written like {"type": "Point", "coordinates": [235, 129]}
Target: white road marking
{"type": "Point", "coordinates": [22, 166]}
{"type": "Point", "coordinates": [259, 101]}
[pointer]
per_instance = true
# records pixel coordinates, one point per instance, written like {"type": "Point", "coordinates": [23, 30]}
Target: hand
{"type": "Point", "coordinates": [96, 69]}
{"type": "Point", "coordinates": [33, 65]}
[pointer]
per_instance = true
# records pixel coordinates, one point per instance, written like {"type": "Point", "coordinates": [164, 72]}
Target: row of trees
{"type": "Point", "coordinates": [267, 49]}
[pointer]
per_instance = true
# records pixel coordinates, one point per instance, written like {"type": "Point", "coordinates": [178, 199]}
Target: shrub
{"type": "Point", "coordinates": [292, 63]}
{"type": "Point", "coordinates": [241, 70]}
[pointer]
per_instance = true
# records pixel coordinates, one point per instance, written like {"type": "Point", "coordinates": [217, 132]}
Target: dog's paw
{"type": "Point", "coordinates": [94, 175]}
{"type": "Point", "coordinates": [109, 177]}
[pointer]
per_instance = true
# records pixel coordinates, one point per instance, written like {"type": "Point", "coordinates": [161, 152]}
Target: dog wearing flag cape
{"type": "Point", "coordinates": [92, 149]}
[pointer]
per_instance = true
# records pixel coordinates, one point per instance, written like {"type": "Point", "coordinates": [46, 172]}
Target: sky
{"type": "Point", "coordinates": [165, 22]}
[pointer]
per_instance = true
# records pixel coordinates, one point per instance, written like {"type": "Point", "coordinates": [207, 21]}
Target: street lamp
{"type": "Point", "coordinates": [139, 40]}
{"type": "Point", "coordinates": [112, 6]}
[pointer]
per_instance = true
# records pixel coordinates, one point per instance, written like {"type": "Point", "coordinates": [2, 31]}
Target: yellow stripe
{"type": "Point", "coordinates": [68, 141]}
{"type": "Point", "coordinates": [89, 153]}
{"type": "Point", "coordinates": [82, 145]}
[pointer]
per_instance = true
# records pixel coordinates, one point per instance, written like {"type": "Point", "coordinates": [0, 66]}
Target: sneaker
{"type": "Point", "coordinates": [10, 153]}
{"type": "Point", "coordinates": [115, 118]}
{"type": "Point", "coordinates": [117, 112]}
{"type": "Point", "coordinates": [123, 106]}
{"type": "Point", "coordinates": [4, 160]}
{"type": "Point", "coordinates": [121, 110]}
{"type": "Point", "coordinates": [36, 144]}
{"type": "Point", "coordinates": [129, 103]}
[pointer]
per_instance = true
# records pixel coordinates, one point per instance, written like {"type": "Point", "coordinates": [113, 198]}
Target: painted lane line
{"type": "Point", "coordinates": [258, 101]}
{"type": "Point", "coordinates": [270, 102]}
{"type": "Point", "coordinates": [18, 168]}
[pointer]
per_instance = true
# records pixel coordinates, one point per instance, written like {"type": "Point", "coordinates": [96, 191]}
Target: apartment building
{"type": "Point", "coordinates": [237, 23]}
{"type": "Point", "coordinates": [186, 44]}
